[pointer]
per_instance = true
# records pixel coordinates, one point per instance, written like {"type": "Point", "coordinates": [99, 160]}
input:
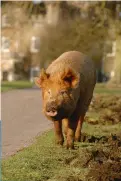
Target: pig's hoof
{"type": "Point", "coordinates": [59, 142]}
{"type": "Point", "coordinates": [77, 139]}
{"type": "Point", "coordinates": [70, 145]}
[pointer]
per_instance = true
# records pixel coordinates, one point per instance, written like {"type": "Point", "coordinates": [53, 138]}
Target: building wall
{"type": "Point", "coordinates": [23, 39]}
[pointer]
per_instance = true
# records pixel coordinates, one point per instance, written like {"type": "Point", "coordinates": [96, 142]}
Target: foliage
{"type": "Point", "coordinates": [78, 34]}
{"type": "Point", "coordinates": [87, 35]}
{"type": "Point", "coordinates": [28, 6]}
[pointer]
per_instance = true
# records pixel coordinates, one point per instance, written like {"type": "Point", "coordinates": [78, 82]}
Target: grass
{"type": "Point", "coordinates": [44, 160]}
{"type": "Point", "coordinates": [104, 89]}
{"type": "Point", "coordinates": [7, 86]}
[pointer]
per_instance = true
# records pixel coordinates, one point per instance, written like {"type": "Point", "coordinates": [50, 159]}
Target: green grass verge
{"type": "Point", "coordinates": [104, 89]}
{"type": "Point", "coordinates": [44, 160]}
{"type": "Point", "coordinates": [6, 86]}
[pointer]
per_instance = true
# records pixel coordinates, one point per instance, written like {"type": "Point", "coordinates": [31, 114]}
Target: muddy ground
{"type": "Point", "coordinates": [108, 108]}
{"type": "Point", "coordinates": [104, 161]}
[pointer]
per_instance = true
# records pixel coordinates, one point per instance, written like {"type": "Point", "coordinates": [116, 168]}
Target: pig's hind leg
{"type": "Point", "coordinates": [78, 129]}
{"type": "Point", "coordinates": [81, 110]}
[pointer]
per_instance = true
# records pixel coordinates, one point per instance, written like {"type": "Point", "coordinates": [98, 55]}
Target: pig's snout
{"type": "Point", "coordinates": [51, 109]}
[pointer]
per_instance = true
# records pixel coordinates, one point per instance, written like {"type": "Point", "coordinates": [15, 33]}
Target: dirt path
{"type": "Point", "coordinates": [22, 119]}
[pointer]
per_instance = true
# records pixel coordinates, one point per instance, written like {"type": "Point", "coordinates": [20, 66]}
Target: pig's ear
{"type": "Point", "coordinates": [39, 80]}
{"type": "Point", "coordinates": [71, 77]}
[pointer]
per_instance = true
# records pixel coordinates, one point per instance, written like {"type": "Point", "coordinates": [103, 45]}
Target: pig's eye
{"type": "Point", "coordinates": [63, 91]}
{"type": "Point", "coordinates": [49, 92]}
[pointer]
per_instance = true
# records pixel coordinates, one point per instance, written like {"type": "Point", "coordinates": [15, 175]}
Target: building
{"type": "Point", "coordinates": [112, 62]}
{"type": "Point", "coordinates": [20, 38]}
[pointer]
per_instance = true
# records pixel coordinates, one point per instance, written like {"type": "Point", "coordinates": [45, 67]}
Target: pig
{"type": "Point", "coordinates": [67, 88]}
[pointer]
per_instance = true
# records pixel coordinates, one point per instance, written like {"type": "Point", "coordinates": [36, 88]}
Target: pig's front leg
{"type": "Point", "coordinates": [65, 126]}
{"type": "Point", "coordinates": [72, 126]}
{"type": "Point", "coordinates": [71, 134]}
{"type": "Point", "coordinates": [58, 132]}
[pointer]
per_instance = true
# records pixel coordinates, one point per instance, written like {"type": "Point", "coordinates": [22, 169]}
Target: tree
{"type": "Point", "coordinates": [86, 35]}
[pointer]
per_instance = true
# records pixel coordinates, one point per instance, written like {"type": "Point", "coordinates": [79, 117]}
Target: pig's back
{"type": "Point", "coordinates": [79, 62]}
{"type": "Point", "coordinates": [71, 59]}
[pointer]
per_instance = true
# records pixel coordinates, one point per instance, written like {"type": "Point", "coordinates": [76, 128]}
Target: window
{"type": "Point", "coordinates": [112, 73]}
{"type": "Point", "coordinates": [35, 44]}
{"type": "Point", "coordinates": [34, 72]}
{"type": "Point", "coordinates": [5, 21]}
{"type": "Point", "coordinates": [5, 44]}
